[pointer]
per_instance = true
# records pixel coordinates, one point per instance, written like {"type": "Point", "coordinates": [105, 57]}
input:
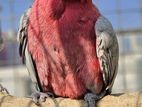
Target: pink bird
{"type": "Point", "coordinates": [70, 50]}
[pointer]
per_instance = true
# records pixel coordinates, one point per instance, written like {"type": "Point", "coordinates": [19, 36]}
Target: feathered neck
{"type": "Point", "coordinates": [57, 7]}
{"type": "Point", "coordinates": [81, 1]}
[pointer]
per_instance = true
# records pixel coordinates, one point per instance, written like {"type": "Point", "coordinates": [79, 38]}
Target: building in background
{"type": "Point", "coordinates": [126, 19]}
{"type": "Point", "coordinates": [129, 76]}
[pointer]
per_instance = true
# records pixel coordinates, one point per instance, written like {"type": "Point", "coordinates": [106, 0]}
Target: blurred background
{"type": "Point", "coordinates": [125, 16]}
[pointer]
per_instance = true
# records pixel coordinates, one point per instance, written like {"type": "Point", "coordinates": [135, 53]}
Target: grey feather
{"type": "Point", "coordinates": [23, 50]}
{"type": "Point", "coordinates": [22, 34]}
{"type": "Point", "coordinates": [107, 50]}
{"type": "Point", "coordinates": [31, 68]}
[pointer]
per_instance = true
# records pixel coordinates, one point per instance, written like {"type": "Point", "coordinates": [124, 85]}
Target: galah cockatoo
{"type": "Point", "coordinates": [70, 50]}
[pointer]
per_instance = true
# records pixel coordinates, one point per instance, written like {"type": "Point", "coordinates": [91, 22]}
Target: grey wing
{"type": "Point", "coordinates": [23, 50]}
{"type": "Point", "coordinates": [107, 50]}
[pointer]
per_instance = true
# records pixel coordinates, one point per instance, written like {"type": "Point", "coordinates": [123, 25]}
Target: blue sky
{"type": "Point", "coordinates": [129, 20]}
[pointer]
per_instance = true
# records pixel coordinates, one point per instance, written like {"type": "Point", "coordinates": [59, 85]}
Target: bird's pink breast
{"type": "Point", "coordinates": [64, 50]}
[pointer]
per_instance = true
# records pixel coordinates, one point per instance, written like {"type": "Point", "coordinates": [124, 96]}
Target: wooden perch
{"type": "Point", "coordinates": [123, 100]}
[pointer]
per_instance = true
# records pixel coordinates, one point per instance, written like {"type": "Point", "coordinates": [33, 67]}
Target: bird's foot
{"type": "Point", "coordinates": [2, 89]}
{"type": "Point", "coordinates": [90, 100]}
{"type": "Point", "coordinates": [39, 97]}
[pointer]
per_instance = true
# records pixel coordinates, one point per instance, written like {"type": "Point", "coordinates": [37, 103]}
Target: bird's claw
{"type": "Point", "coordinates": [2, 89]}
{"type": "Point", "coordinates": [90, 100]}
{"type": "Point", "coordinates": [39, 97]}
